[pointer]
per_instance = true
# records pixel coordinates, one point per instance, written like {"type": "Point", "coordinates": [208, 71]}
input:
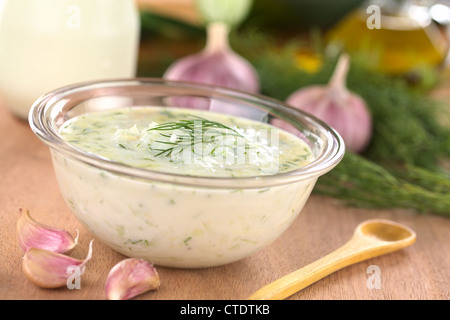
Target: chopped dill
{"type": "Point", "coordinates": [186, 241]}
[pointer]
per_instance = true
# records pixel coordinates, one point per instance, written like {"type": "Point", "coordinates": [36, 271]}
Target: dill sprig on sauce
{"type": "Point", "coordinates": [195, 131]}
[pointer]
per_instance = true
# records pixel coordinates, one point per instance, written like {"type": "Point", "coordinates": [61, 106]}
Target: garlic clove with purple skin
{"type": "Point", "coordinates": [340, 108]}
{"type": "Point", "coordinates": [33, 234]}
{"type": "Point", "coordinates": [48, 269]}
{"type": "Point", "coordinates": [131, 277]}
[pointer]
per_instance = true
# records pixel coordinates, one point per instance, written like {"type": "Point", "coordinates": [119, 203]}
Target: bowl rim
{"type": "Point", "coordinates": [43, 128]}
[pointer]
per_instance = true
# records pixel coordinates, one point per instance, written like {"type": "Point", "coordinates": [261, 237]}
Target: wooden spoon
{"type": "Point", "coordinates": [371, 238]}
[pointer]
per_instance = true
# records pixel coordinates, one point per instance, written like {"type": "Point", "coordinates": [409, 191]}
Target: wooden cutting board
{"type": "Point", "coordinates": [27, 180]}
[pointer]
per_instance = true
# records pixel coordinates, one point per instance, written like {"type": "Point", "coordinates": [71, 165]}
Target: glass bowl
{"type": "Point", "coordinates": [171, 219]}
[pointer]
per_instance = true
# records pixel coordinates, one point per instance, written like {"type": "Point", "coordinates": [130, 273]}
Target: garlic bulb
{"type": "Point", "coordinates": [340, 108]}
{"type": "Point", "coordinates": [217, 64]}
{"type": "Point", "coordinates": [129, 278]}
{"type": "Point", "coordinates": [33, 234]}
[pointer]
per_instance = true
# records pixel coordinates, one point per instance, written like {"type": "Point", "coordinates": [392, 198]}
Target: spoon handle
{"type": "Point", "coordinates": [353, 251]}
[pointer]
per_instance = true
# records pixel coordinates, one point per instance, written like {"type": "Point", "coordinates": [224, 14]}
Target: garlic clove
{"type": "Point", "coordinates": [48, 269]}
{"type": "Point", "coordinates": [337, 106]}
{"type": "Point", "coordinates": [33, 234]}
{"type": "Point", "coordinates": [131, 277]}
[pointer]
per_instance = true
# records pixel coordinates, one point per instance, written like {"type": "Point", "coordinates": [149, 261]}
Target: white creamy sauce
{"type": "Point", "coordinates": [177, 225]}
{"type": "Point", "coordinates": [187, 142]}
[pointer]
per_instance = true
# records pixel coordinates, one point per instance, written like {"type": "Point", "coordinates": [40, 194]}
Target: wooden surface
{"type": "Point", "coordinates": [183, 10]}
{"type": "Point", "coordinates": [27, 180]}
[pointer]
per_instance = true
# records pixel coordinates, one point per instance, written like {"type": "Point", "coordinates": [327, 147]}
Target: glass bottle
{"type": "Point", "coordinates": [47, 44]}
{"type": "Point", "coordinates": [392, 36]}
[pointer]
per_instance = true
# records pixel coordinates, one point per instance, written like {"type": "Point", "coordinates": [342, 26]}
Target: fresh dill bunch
{"type": "Point", "coordinates": [402, 167]}
{"type": "Point", "coordinates": [406, 127]}
{"type": "Point", "coordinates": [359, 182]}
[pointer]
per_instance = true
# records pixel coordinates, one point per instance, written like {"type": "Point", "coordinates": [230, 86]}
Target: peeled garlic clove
{"type": "Point", "coordinates": [340, 108]}
{"type": "Point", "coordinates": [129, 278]}
{"type": "Point", "coordinates": [48, 269]}
{"type": "Point", "coordinates": [33, 234]}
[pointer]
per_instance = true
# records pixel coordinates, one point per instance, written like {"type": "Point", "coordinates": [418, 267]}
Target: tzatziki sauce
{"type": "Point", "coordinates": [172, 224]}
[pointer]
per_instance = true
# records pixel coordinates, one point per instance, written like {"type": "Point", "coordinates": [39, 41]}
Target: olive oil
{"type": "Point", "coordinates": [406, 39]}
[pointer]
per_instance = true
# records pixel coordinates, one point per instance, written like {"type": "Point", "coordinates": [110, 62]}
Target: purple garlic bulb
{"type": "Point", "coordinates": [217, 64]}
{"type": "Point", "coordinates": [340, 108]}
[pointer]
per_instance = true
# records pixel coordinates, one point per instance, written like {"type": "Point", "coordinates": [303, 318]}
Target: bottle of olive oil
{"type": "Point", "coordinates": [395, 37]}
